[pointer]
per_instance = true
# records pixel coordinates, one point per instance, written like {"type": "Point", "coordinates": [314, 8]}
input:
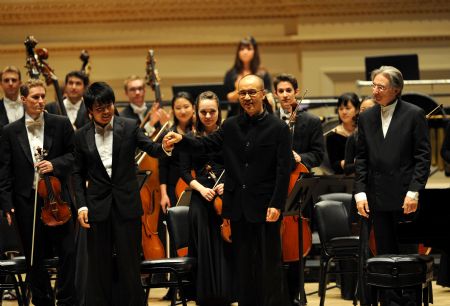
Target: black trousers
{"type": "Point", "coordinates": [114, 247]}
{"type": "Point", "coordinates": [258, 263]}
{"type": "Point", "coordinates": [385, 224]}
{"type": "Point", "coordinates": [47, 242]}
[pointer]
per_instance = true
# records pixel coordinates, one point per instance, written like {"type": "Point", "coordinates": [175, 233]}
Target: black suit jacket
{"type": "Point", "coordinates": [16, 164]}
{"type": "Point", "coordinates": [386, 168]}
{"type": "Point", "coordinates": [121, 189]}
{"type": "Point", "coordinates": [308, 139]}
{"type": "Point", "coordinates": [82, 116]}
{"type": "Point", "coordinates": [257, 158]}
{"type": "Point", "coordinates": [3, 116]}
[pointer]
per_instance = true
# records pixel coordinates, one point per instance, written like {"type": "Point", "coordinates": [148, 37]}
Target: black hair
{"type": "Point", "coordinates": [255, 62]}
{"type": "Point", "coordinates": [187, 96]}
{"type": "Point", "coordinates": [99, 92]}
{"type": "Point", "coordinates": [206, 95]}
{"type": "Point", "coordinates": [348, 97]}
{"type": "Point", "coordinates": [79, 75]}
{"type": "Point", "coordinates": [285, 77]}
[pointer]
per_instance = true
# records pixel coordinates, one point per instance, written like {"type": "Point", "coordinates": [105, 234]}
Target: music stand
{"type": "Point", "coordinates": [300, 195]}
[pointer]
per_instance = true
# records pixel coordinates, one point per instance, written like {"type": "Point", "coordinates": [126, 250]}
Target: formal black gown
{"type": "Point", "coordinates": [214, 270]}
{"type": "Point", "coordinates": [336, 151]}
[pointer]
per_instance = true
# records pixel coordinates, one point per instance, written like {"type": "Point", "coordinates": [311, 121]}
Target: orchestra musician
{"type": "Point", "coordinates": [393, 158]}
{"type": "Point", "coordinates": [307, 144]}
{"type": "Point", "coordinates": [256, 148]}
{"type": "Point", "coordinates": [247, 61]}
{"type": "Point", "coordinates": [214, 268]}
{"type": "Point", "coordinates": [17, 191]}
{"type": "Point", "coordinates": [76, 83]}
{"type": "Point", "coordinates": [11, 108]}
{"type": "Point", "coordinates": [108, 199]}
{"type": "Point", "coordinates": [137, 109]}
{"type": "Point", "coordinates": [347, 108]}
{"type": "Point", "coordinates": [169, 171]}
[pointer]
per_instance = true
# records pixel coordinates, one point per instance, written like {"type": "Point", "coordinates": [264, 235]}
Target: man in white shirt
{"type": "Point", "coordinates": [76, 83]}
{"type": "Point", "coordinates": [137, 109]}
{"type": "Point", "coordinates": [18, 166]}
{"type": "Point", "coordinates": [109, 205]}
{"type": "Point", "coordinates": [393, 158]}
{"type": "Point", "coordinates": [11, 108]}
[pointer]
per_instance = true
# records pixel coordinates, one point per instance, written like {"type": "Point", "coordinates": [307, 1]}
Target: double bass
{"type": "Point", "coordinates": [290, 224]}
{"type": "Point", "coordinates": [36, 65]}
{"type": "Point", "coordinates": [150, 193]}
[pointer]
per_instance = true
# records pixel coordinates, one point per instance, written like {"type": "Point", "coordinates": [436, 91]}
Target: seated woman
{"type": "Point", "coordinates": [213, 276]}
{"type": "Point", "coordinates": [347, 108]}
{"type": "Point", "coordinates": [350, 146]}
{"type": "Point", "coordinates": [247, 61]}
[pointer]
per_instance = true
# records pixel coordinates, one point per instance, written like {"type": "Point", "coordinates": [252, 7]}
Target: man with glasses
{"type": "Point", "coordinates": [257, 154]}
{"type": "Point", "coordinates": [109, 205]}
{"type": "Point", "coordinates": [137, 109]}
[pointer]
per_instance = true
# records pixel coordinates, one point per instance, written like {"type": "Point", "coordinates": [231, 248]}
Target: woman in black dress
{"type": "Point", "coordinates": [347, 108]}
{"type": "Point", "coordinates": [213, 276]}
{"type": "Point", "coordinates": [247, 61]}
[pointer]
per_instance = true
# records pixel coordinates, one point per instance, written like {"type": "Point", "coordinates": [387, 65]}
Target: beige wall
{"type": "Point", "coordinates": [194, 41]}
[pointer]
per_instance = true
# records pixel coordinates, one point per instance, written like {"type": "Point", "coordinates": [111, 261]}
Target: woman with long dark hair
{"type": "Point", "coordinates": [247, 61]}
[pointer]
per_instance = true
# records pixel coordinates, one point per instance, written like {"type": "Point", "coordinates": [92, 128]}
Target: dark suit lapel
{"type": "Point", "coordinates": [22, 137]}
{"type": "Point", "coordinates": [49, 131]}
{"type": "Point", "coordinates": [393, 126]}
{"type": "Point", "coordinates": [376, 123]}
{"type": "Point", "coordinates": [81, 114]}
{"type": "Point", "coordinates": [3, 115]}
{"type": "Point", "coordinates": [118, 130]}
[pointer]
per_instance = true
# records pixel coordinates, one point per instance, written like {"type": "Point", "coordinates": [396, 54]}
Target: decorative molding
{"type": "Point", "coordinates": [34, 12]}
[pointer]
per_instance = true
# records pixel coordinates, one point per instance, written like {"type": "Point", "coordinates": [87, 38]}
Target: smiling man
{"type": "Point", "coordinates": [393, 158]}
{"type": "Point", "coordinates": [109, 206]}
{"type": "Point", "coordinates": [257, 153]}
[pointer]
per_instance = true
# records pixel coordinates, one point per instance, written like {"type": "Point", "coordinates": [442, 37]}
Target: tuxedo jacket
{"type": "Point", "coordinates": [82, 116]}
{"type": "Point", "coordinates": [307, 140]}
{"type": "Point", "coordinates": [257, 158]}
{"type": "Point", "coordinates": [388, 167]}
{"type": "Point", "coordinates": [94, 188]}
{"type": "Point", "coordinates": [16, 164]}
{"type": "Point", "coordinates": [128, 112]}
{"type": "Point", "coordinates": [3, 116]}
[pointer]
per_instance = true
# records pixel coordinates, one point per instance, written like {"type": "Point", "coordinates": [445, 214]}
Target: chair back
{"type": "Point", "coordinates": [345, 198]}
{"type": "Point", "coordinates": [332, 220]}
{"type": "Point", "coordinates": [10, 243]}
{"type": "Point", "coordinates": [178, 226]}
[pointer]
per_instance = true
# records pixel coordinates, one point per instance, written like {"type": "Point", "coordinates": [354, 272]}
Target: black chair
{"type": "Point", "coordinates": [12, 266]}
{"type": "Point", "coordinates": [400, 273]}
{"type": "Point", "coordinates": [180, 268]}
{"type": "Point", "coordinates": [337, 242]}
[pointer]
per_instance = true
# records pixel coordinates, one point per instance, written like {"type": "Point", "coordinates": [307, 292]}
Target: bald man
{"type": "Point", "coordinates": [257, 153]}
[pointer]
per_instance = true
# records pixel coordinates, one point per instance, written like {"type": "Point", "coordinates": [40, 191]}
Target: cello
{"type": "Point", "coordinates": [36, 65]}
{"type": "Point", "coordinates": [289, 227]}
{"type": "Point", "coordinates": [150, 193]}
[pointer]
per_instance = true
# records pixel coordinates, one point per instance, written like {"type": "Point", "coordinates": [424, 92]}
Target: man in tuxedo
{"type": "Point", "coordinates": [11, 108]}
{"type": "Point", "coordinates": [307, 144]}
{"type": "Point", "coordinates": [76, 83]}
{"type": "Point", "coordinates": [393, 158]}
{"type": "Point", "coordinates": [257, 153]}
{"type": "Point", "coordinates": [137, 109]}
{"type": "Point", "coordinates": [108, 199]}
{"type": "Point", "coordinates": [18, 167]}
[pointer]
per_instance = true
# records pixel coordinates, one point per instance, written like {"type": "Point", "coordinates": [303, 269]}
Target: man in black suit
{"type": "Point", "coordinates": [108, 199]}
{"type": "Point", "coordinates": [137, 109]}
{"type": "Point", "coordinates": [76, 83]}
{"type": "Point", "coordinates": [11, 108]}
{"type": "Point", "coordinates": [307, 144]}
{"type": "Point", "coordinates": [393, 158]}
{"type": "Point", "coordinates": [17, 191]}
{"type": "Point", "coordinates": [257, 154]}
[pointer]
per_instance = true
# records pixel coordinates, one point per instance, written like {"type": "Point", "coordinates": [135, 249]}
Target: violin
{"type": "Point", "coordinates": [55, 211]}
{"type": "Point", "coordinates": [36, 65]}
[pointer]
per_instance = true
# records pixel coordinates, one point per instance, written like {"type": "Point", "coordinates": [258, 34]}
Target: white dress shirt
{"type": "Point", "coordinates": [14, 109]}
{"type": "Point", "coordinates": [386, 117]}
{"type": "Point", "coordinates": [72, 110]}
{"type": "Point", "coordinates": [284, 115]}
{"type": "Point", "coordinates": [104, 144]}
{"type": "Point", "coordinates": [140, 111]}
{"type": "Point", "coordinates": [35, 132]}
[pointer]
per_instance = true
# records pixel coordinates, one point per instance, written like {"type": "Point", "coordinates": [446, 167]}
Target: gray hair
{"type": "Point", "coordinates": [394, 76]}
